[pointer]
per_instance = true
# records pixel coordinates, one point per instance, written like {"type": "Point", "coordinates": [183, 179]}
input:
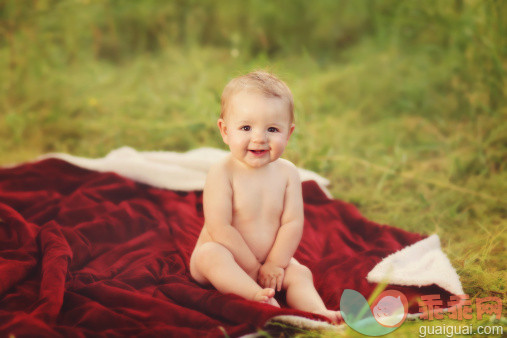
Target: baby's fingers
{"type": "Point", "coordinates": [279, 281]}
{"type": "Point", "coordinates": [272, 283]}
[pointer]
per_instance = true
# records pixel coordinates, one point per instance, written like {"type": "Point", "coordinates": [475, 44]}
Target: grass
{"type": "Point", "coordinates": [407, 120]}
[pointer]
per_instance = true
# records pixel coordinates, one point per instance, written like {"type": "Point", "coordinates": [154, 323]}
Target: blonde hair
{"type": "Point", "coordinates": [264, 82]}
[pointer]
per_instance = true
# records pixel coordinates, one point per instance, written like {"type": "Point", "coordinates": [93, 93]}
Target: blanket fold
{"type": "Point", "coordinates": [90, 252]}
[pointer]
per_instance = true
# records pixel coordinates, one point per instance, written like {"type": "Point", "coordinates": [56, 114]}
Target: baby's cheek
{"type": "Point", "coordinates": [280, 146]}
{"type": "Point", "coordinates": [236, 143]}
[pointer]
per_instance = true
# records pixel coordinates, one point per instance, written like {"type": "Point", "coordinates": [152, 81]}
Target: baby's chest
{"type": "Point", "coordinates": [259, 198]}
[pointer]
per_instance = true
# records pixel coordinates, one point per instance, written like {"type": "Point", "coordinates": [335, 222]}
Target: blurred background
{"type": "Point", "coordinates": [401, 104]}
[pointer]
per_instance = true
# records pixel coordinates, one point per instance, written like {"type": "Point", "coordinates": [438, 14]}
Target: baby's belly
{"type": "Point", "coordinates": [259, 242]}
{"type": "Point", "coordinates": [260, 239]}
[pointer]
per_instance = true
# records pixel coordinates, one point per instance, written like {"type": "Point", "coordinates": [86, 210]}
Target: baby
{"type": "Point", "coordinates": [253, 204]}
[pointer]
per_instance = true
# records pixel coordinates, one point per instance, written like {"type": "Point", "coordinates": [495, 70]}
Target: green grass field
{"type": "Point", "coordinates": [402, 105]}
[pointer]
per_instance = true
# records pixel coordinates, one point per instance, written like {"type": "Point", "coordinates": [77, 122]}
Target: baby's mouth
{"type": "Point", "coordinates": [258, 152]}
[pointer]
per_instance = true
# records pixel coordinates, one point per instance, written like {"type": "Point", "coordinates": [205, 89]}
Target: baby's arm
{"type": "Point", "coordinates": [290, 231]}
{"type": "Point", "coordinates": [217, 205]}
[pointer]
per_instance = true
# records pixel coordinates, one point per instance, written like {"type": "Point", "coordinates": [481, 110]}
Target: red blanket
{"type": "Point", "coordinates": [87, 253]}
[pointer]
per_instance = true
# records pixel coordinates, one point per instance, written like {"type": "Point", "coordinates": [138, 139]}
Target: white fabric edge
{"type": "Point", "coordinates": [302, 323]}
{"type": "Point", "coordinates": [420, 264]}
{"type": "Point", "coordinates": [305, 323]}
{"type": "Point", "coordinates": [165, 169]}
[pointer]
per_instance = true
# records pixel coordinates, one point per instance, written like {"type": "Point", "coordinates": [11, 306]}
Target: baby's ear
{"type": "Point", "coordinates": [223, 130]}
{"type": "Point", "coordinates": [291, 130]}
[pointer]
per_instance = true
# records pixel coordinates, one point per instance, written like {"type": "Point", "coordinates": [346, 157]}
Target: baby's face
{"type": "Point", "coordinates": [256, 128]}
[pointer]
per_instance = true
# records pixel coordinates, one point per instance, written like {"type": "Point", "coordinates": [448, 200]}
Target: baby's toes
{"type": "Point", "coordinates": [264, 295]}
{"type": "Point", "coordinates": [272, 301]}
{"type": "Point", "coordinates": [334, 316]}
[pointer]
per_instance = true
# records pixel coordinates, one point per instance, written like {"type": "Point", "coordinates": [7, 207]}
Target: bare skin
{"type": "Point", "coordinates": [253, 212]}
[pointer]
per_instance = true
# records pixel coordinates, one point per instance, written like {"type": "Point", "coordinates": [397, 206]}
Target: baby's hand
{"type": "Point", "coordinates": [271, 276]}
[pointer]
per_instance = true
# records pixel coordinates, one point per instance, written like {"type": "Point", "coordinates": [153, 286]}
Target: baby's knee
{"type": "Point", "coordinates": [297, 272]}
{"type": "Point", "coordinates": [210, 253]}
{"type": "Point", "coordinates": [304, 272]}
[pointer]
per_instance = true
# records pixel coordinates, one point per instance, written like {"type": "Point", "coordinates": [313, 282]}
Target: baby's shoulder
{"type": "Point", "coordinates": [220, 168]}
{"type": "Point", "coordinates": [286, 163]}
{"type": "Point", "coordinates": [218, 180]}
{"type": "Point", "coordinates": [287, 167]}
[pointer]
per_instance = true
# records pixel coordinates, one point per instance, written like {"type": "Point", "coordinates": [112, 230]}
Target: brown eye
{"type": "Point", "coordinates": [245, 128]}
{"type": "Point", "coordinates": [272, 129]}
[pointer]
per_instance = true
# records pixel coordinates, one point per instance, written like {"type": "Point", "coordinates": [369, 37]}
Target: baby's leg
{"type": "Point", "coordinates": [301, 293]}
{"type": "Point", "coordinates": [213, 263]}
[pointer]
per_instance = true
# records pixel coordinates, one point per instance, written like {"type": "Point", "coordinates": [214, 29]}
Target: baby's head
{"type": "Point", "coordinates": [260, 82]}
{"type": "Point", "coordinates": [257, 117]}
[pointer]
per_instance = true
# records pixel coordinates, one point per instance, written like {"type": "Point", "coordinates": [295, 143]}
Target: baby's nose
{"type": "Point", "coordinates": [259, 137]}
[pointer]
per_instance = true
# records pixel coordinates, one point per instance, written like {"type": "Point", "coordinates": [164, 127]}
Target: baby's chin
{"type": "Point", "coordinates": [257, 163]}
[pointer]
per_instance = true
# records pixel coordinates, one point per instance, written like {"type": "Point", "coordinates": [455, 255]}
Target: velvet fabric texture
{"type": "Point", "coordinates": [86, 253]}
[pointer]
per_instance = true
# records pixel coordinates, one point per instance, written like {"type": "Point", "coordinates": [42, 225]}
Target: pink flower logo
{"type": "Point", "coordinates": [390, 308]}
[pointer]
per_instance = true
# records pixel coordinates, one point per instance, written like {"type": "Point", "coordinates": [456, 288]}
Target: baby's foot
{"type": "Point", "coordinates": [272, 301]}
{"type": "Point", "coordinates": [266, 296]}
{"type": "Point", "coordinates": [334, 316]}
